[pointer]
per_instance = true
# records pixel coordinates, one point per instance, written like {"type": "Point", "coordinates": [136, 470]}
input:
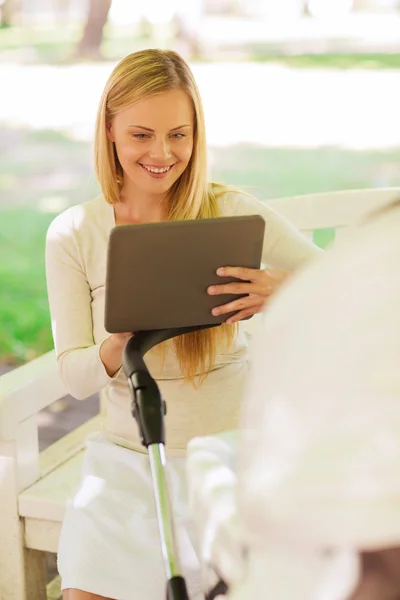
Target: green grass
{"type": "Point", "coordinates": [328, 61]}
{"type": "Point", "coordinates": [276, 172]}
{"type": "Point", "coordinates": [27, 184]}
{"type": "Point", "coordinates": [57, 44]}
{"type": "Point", "coordinates": [53, 45]}
{"type": "Point", "coordinates": [44, 165]}
{"type": "Point", "coordinates": [24, 316]}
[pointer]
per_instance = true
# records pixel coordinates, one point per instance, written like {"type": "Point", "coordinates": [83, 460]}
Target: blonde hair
{"type": "Point", "coordinates": [139, 76]}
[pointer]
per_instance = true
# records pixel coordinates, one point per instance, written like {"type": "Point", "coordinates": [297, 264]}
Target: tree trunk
{"type": "Point", "coordinates": [89, 46]}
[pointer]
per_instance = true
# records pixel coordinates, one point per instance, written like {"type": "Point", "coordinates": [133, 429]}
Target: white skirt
{"type": "Point", "coordinates": [110, 542]}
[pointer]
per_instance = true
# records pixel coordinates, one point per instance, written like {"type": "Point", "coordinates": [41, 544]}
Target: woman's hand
{"type": "Point", "coordinates": [120, 339]}
{"type": "Point", "coordinates": [111, 352]}
{"type": "Point", "coordinates": [259, 284]}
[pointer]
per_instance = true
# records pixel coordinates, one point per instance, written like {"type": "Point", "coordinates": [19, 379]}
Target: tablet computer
{"type": "Point", "coordinates": [158, 273]}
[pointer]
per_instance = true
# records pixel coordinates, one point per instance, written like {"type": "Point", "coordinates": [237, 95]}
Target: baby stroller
{"type": "Point", "coordinates": [148, 408]}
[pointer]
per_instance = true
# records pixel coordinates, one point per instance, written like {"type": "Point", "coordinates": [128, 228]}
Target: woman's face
{"type": "Point", "coordinates": [154, 140]}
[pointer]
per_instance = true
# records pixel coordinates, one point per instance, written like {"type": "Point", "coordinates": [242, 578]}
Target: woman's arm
{"type": "Point", "coordinates": [84, 367]}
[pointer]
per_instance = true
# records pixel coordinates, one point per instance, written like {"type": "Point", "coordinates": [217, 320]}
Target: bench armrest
{"type": "Point", "coordinates": [26, 390]}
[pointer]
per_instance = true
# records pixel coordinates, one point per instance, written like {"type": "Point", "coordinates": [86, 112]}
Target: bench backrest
{"type": "Point", "coordinates": [326, 216]}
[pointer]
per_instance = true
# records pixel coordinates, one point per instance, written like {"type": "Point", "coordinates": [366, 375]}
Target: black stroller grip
{"type": "Point", "coordinates": [143, 341]}
{"type": "Point", "coordinates": [147, 406]}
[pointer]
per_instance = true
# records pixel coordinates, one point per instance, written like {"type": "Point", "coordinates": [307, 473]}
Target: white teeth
{"type": "Point", "coordinates": [156, 170]}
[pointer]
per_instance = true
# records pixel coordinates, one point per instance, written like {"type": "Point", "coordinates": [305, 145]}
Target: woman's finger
{"type": "Point", "coordinates": [273, 277]}
{"type": "Point", "coordinates": [242, 314]}
{"type": "Point", "coordinates": [263, 288]}
{"type": "Point", "coordinates": [231, 288]}
{"type": "Point", "coordinates": [239, 304]}
{"type": "Point", "coordinates": [240, 273]}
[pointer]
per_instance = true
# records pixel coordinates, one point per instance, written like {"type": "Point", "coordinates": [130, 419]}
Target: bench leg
{"type": "Point", "coordinates": [35, 574]}
{"type": "Point", "coordinates": [22, 571]}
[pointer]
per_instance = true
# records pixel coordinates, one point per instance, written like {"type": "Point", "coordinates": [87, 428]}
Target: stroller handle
{"type": "Point", "coordinates": [149, 409]}
{"type": "Point", "coordinates": [147, 406]}
{"type": "Point", "coordinates": [143, 341]}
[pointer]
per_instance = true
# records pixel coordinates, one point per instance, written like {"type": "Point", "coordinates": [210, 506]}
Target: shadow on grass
{"type": "Point", "coordinates": [43, 166]}
{"type": "Point", "coordinates": [276, 172]}
{"type": "Point", "coordinates": [43, 172]}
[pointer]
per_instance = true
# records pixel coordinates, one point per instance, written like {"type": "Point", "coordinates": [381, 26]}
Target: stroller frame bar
{"type": "Point", "coordinates": [164, 511]}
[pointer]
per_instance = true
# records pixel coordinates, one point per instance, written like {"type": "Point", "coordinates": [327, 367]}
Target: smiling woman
{"type": "Point", "coordinates": [159, 153]}
{"type": "Point", "coordinates": [150, 158]}
{"type": "Point", "coordinates": [153, 124]}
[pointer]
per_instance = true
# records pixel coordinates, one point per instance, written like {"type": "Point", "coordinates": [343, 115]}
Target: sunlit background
{"type": "Point", "coordinates": [300, 96]}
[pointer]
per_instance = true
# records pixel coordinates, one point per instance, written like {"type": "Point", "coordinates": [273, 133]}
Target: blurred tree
{"type": "Point", "coordinates": [8, 11]}
{"type": "Point", "coordinates": [89, 46]}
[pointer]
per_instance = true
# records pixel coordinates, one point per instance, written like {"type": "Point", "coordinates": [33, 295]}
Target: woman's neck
{"type": "Point", "coordinates": [136, 206]}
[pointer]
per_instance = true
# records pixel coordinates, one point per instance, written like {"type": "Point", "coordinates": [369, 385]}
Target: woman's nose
{"type": "Point", "coordinates": [160, 149]}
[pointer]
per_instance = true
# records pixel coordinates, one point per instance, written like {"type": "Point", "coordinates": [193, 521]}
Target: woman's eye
{"type": "Point", "coordinates": [145, 136]}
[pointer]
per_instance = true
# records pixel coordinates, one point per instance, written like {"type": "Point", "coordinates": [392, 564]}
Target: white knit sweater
{"type": "Point", "coordinates": [76, 254]}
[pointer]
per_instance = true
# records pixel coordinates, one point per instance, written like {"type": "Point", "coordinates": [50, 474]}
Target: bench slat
{"type": "Point", "coordinates": [67, 446]}
{"type": "Point", "coordinates": [332, 209]}
{"type": "Point", "coordinates": [46, 499]}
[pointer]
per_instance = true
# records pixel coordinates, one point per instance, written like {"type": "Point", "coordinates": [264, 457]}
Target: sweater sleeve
{"type": "Point", "coordinates": [284, 246]}
{"type": "Point", "coordinates": [78, 357]}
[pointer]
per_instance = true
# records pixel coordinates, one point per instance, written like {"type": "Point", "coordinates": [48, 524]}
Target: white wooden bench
{"type": "Point", "coordinates": [35, 487]}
